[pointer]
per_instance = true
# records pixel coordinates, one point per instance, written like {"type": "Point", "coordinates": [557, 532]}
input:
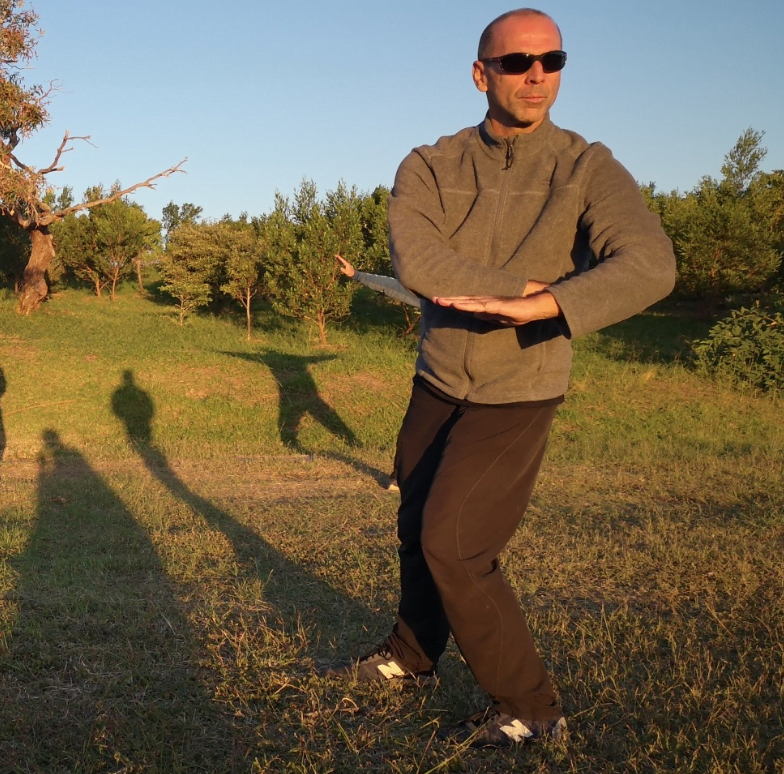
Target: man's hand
{"type": "Point", "coordinates": [506, 310]}
{"type": "Point", "coordinates": [345, 266]}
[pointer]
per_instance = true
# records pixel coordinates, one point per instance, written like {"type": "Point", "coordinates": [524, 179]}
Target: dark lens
{"type": "Point", "coordinates": [516, 64]}
{"type": "Point", "coordinates": [553, 61]}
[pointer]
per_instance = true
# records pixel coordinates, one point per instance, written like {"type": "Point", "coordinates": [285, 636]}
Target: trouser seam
{"type": "Point", "coordinates": [460, 551]}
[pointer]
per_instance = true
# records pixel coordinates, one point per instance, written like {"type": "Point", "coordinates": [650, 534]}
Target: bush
{"type": "Point", "coordinates": [747, 347]}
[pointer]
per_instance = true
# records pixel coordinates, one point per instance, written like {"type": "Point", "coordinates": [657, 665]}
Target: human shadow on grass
{"type": "Point", "coordinates": [298, 395]}
{"type": "Point", "coordinates": [292, 593]}
{"type": "Point", "coordinates": [101, 669]}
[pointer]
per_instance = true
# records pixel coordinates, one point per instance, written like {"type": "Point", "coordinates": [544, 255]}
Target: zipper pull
{"type": "Point", "coordinates": [509, 152]}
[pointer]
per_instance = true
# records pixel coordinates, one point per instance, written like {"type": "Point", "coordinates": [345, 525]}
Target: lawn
{"type": "Point", "coordinates": [191, 523]}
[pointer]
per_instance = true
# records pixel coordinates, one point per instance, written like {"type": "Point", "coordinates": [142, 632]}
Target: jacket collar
{"type": "Point", "coordinates": [522, 144]}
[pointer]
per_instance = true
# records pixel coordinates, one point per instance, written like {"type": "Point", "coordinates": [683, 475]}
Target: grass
{"type": "Point", "coordinates": [190, 523]}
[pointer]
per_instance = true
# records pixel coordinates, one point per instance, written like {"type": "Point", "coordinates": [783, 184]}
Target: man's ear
{"type": "Point", "coordinates": [479, 75]}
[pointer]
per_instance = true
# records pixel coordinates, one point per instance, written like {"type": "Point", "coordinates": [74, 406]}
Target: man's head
{"type": "Point", "coordinates": [518, 103]}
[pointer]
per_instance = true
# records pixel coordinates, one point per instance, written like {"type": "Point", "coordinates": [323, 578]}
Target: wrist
{"type": "Point", "coordinates": [545, 307]}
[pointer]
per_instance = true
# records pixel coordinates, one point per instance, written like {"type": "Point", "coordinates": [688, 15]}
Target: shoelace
{"type": "Point", "coordinates": [382, 651]}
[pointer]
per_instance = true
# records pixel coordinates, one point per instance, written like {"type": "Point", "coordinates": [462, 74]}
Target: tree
{"type": "Point", "coordinates": [103, 246]}
{"type": "Point", "coordinates": [741, 164]}
{"type": "Point", "coordinates": [303, 278]}
{"type": "Point", "coordinates": [24, 188]}
{"type": "Point", "coordinates": [727, 233]}
{"type": "Point", "coordinates": [191, 265]}
{"type": "Point", "coordinates": [14, 249]}
{"type": "Point", "coordinates": [375, 232]}
{"type": "Point", "coordinates": [174, 215]}
{"type": "Point", "coordinates": [246, 248]}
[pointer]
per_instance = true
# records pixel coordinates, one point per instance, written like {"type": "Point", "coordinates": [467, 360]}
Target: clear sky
{"type": "Point", "coordinates": [260, 94]}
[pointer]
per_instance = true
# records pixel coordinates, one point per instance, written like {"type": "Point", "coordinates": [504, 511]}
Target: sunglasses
{"type": "Point", "coordinates": [517, 64]}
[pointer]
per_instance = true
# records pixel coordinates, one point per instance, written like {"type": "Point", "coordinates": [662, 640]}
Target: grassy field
{"type": "Point", "coordinates": [190, 523]}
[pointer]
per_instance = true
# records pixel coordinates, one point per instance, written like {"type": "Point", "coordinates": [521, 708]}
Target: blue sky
{"type": "Point", "coordinates": [259, 95]}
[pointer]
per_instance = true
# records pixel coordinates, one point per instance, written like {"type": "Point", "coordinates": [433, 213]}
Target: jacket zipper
{"type": "Point", "coordinates": [508, 161]}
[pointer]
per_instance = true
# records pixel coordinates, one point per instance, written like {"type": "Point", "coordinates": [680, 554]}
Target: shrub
{"type": "Point", "coordinates": [747, 347]}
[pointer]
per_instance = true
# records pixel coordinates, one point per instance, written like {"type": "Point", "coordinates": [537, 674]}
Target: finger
{"type": "Point", "coordinates": [465, 303]}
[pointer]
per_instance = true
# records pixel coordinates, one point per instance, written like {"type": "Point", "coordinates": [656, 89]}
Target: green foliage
{"type": "Point", "coordinates": [303, 279]}
{"type": "Point", "coordinates": [747, 347]}
{"type": "Point", "coordinates": [191, 265]}
{"type": "Point", "coordinates": [375, 232]}
{"type": "Point", "coordinates": [727, 233]}
{"type": "Point", "coordinates": [246, 247]}
{"type": "Point", "coordinates": [174, 215]}
{"type": "Point", "coordinates": [22, 109]}
{"type": "Point", "coordinates": [100, 247]}
{"type": "Point", "coordinates": [14, 249]}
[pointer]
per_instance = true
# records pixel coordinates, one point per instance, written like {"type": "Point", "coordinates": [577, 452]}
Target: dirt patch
{"type": "Point", "coordinates": [215, 381]}
{"type": "Point", "coordinates": [16, 348]}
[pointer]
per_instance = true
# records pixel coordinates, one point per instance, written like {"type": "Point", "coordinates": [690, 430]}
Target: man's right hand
{"type": "Point", "coordinates": [346, 267]}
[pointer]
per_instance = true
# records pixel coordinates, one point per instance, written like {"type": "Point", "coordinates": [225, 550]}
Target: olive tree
{"type": "Point", "coordinates": [303, 278]}
{"type": "Point", "coordinates": [727, 233]}
{"type": "Point", "coordinates": [103, 245]}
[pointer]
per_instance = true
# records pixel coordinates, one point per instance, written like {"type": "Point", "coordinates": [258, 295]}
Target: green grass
{"type": "Point", "coordinates": [180, 547]}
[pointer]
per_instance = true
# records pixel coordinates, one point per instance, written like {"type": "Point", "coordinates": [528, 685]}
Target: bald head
{"type": "Point", "coordinates": [487, 36]}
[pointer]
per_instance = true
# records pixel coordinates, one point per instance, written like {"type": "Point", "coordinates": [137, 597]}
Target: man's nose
{"type": "Point", "coordinates": [535, 73]}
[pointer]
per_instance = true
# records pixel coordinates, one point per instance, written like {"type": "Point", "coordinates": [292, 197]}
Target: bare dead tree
{"type": "Point", "coordinates": [26, 207]}
{"type": "Point", "coordinates": [23, 188]}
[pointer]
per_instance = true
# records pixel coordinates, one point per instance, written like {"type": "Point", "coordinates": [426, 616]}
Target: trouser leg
{"type": "Point", "coordinates": [421, 632]}
{"type": "Point", "coordinates": [476, 501]}
{"type": "Point", "coordinates": [466, 476]}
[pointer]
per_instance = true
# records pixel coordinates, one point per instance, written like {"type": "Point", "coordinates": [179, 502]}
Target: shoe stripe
{"type": "Point", "coordinates": [517, 731]}
{"type": "Point", "coordinates": [391, 670]}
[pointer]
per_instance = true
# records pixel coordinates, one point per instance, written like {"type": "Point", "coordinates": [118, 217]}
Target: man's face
{"type": "Point", "coordinates": [519, 103]}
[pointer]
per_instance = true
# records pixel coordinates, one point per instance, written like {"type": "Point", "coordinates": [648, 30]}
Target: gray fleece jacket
{"type": "Point", "coordinates": [478, 214]}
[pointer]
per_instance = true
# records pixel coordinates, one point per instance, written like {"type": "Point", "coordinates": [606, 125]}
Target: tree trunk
{"type": "Point", "coordinates": [321, 321]}
{"type": "Point", "coordinates": [247, 310]}
{"type": "Point", "coordinates": [139, 275]}
{"type": "Point", "coordinates": [34, 289]}
{"type": "Point", "coordinates": [115, 277]}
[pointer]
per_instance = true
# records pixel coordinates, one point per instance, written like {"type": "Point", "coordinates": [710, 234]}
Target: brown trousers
{"type": "Point", "coordinates": [466, 474]}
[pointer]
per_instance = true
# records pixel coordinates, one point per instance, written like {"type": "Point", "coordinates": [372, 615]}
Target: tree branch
{"type": "Point", "coordinates": [119, 194]}
{"type": "Point", "coordinates": [22, 167]}
{"type": "Point", "coordinates": [62, 149]}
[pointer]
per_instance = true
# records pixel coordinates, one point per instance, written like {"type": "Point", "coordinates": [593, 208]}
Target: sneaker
{"type": "Point", "coordinates": [392, 485]}
{"type": "Point", "coordinates": [376, 665]}
{"type": "Point", "coordinates": [492, 728]}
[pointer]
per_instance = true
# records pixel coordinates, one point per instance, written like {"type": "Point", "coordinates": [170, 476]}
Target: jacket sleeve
{"type": "Point", "coordinates": [389, 286]}
{"type": "Point", "coordinates": [635, 262]}
{"type": "Point", "coordinates": [421, 255]}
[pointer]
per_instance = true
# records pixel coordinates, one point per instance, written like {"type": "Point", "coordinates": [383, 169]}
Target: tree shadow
{"type": "Point", "coordinates": [100, 669]}
{"type": "Point", "coordinates": [294, 594]}
{"type": "Point", "coordinates": [264, 319]}
{"type": "Point", "coordinates": [2, 427]}
{"type": "Point", "coordinates": [662, 334]}
{"type": "Point", "coordinates": [373, 312]}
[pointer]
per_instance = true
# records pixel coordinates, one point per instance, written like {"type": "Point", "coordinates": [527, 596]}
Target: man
{"type": "Point", "coordinates": [496, 226]}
